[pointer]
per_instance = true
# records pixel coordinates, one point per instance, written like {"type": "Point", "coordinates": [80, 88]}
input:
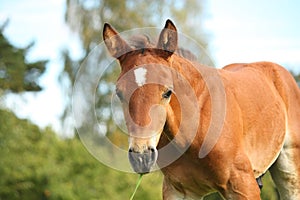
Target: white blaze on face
{"type": "Point", "coordinates": [140, 76]}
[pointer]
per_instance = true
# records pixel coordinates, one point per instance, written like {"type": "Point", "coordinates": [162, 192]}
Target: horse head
{"type": "Point", "coordinates": [145, 89]}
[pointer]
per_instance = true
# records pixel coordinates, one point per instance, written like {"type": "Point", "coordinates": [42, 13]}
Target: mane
{"type": "Point", "coordinates": [144, 42]}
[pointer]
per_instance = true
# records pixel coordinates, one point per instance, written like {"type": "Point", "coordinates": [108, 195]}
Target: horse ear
{"type": "Point", "coordinates": [168, 38]}
{"type": "Point", "coordinates": [114, 43]}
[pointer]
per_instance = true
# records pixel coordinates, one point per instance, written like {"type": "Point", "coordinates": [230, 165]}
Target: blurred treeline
{"type": "Point", "coordinates": [37, 164]}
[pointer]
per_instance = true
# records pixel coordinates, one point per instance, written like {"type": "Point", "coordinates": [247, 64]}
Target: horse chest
{"type": "Point", "coordinates": [190, 179]}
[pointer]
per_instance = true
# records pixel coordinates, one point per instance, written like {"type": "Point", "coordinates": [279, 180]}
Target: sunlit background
{"type": "Point", "coordinates": [40, 155]}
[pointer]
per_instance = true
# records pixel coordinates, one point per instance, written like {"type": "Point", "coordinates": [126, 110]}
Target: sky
{"type": "Point", "coordinates": [240, 31]}
{"type": "Point", "coordinates": [255, 30]}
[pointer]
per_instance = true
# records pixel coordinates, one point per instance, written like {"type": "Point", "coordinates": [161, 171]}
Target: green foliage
{"type": "Point", "coordinates": [16, 74]}
{"type": "Point", "coordinates": [269, 190]}
{"type": "Point", "coordinates": [35, 164]}
{"type": "Point", "coordinates": [297, 77]}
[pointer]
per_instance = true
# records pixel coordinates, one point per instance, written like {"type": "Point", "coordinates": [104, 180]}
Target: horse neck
{"type": "Point", "coordinates": [193, 74]}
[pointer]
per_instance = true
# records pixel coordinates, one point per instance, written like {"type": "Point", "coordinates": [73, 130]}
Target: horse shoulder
{"type": "Point", "coordinates": [262, 114]}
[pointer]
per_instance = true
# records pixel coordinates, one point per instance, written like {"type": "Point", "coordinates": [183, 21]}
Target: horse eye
{"type": "Point", "coordinates": [167, 94]}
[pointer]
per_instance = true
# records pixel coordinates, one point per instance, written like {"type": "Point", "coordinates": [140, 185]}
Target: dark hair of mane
{"type": "Point", "coordinates": [144, 42]}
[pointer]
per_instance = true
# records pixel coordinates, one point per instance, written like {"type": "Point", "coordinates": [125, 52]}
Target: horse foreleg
{"type": "Point", "coordinates": [170, 193]}
{"type": "Point", "coordinates": [242, 184]}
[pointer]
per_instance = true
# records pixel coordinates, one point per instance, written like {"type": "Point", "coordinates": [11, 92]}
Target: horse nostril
{"type": "Point", "coordinates": [152, 150]}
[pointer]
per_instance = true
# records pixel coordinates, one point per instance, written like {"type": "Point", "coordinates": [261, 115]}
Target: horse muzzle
{"type": "Point", "coordinates": [142, 161]}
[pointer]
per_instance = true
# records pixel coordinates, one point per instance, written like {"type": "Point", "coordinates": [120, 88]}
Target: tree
{"type": "Point", "coordinates": [36, 164]}
{"type": "Point", "coordinates": [16, 73]}
{"type": "Point", "coordinates": [297, 77]}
